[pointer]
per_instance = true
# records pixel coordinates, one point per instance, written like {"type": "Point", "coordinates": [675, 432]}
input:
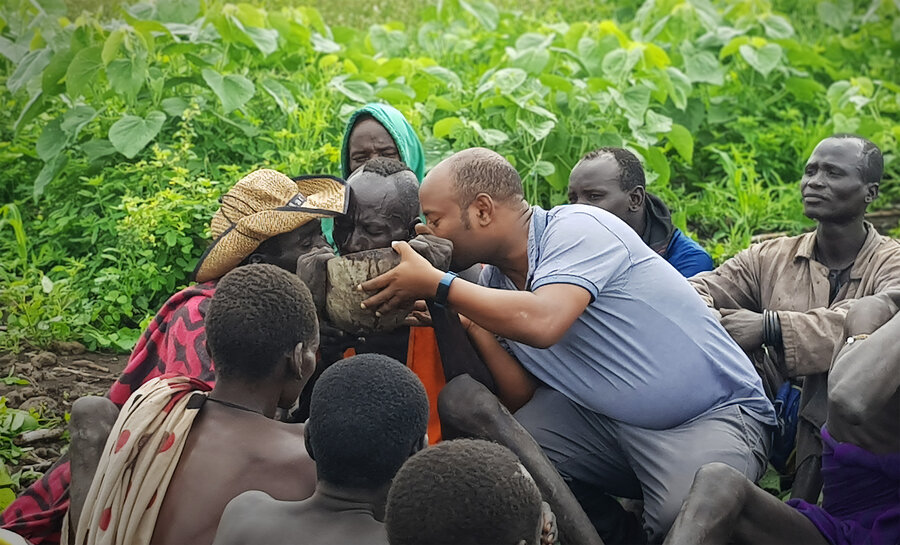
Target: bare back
{"type": "Point", "coordinates": [226, 453]}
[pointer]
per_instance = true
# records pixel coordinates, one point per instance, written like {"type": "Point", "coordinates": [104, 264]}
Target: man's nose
{"type": "Point", "coordinates": [817, 180]}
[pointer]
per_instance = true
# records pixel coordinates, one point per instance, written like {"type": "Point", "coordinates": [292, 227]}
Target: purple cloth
{"type": "Point", "coordinates": [861, 497]}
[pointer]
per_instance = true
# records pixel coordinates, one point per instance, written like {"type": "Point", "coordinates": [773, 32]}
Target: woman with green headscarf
{"type": "Point", "coordinates": [378, 130]}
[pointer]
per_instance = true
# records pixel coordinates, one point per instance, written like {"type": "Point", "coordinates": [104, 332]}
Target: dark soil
{"type": "Point", "coordinates": [56, 379]}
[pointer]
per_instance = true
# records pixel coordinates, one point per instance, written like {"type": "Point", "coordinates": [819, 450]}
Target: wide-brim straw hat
{"type": "Point", "coordinates": [263, 204]}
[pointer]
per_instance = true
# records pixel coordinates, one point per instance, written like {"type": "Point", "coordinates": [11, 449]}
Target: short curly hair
{"type": "Point", "coordinates": [257, 315]}
{"type": "Point", "coordinates": [480, 170]}
{"type": "Point", "coordinates": [463, 491]}
{"type": "Point", "coordinates": [631, 171]}
{"type": "Point", "coordinates": [367, 415]}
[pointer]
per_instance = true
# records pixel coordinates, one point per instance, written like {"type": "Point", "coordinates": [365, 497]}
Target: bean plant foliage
{"type": "Point", "coordinates": [121, 131]}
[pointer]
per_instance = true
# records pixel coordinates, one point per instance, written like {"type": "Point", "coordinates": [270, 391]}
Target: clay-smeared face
{"type": "Point", "coordinates": [381, 210]}
{"type": "Point", "coordinates": [369, 139]}
{"type": "Point", "coordinates": [832, 184]}
{"type": "Point", "coordinates": [284, 249]}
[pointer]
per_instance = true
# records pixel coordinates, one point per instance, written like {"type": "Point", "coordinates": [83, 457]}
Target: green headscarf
{"type": "Point", "coordinates": [408, 144]}
{"type": "Point", "coordinates": [411, 152]}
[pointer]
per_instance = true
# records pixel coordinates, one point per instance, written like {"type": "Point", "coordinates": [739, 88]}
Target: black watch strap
{"type": "Point", "coordinates": [443, 289]}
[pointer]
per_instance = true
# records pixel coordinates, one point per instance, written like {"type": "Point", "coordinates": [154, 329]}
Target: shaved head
{"type": "Point", "coordinates": [479, 170]}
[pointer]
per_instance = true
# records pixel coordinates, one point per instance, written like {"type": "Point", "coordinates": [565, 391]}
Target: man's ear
{"type": "Point", "coordinates": [307, 440]}
{"type": "Point", "coordinates": [295, 361]}
{"type": "Point", "coordinates": [636, 198]}
{"type": "Point", "coordinates": [872, 192]}
{"type": "Point", "coordinates": [419, 445]}
{"type": "Point", "coordinates": [484, 209]}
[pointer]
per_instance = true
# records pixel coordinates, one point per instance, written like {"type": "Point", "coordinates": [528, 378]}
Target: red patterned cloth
{"type": "Point", "coordinates": [174, 343]}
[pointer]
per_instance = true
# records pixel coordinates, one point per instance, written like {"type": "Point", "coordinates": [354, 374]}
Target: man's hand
{"type": "Point", "coordinates": [549, 530]}
{"type": "Point", "coordinates": [869, 313]}
{"type": "Point", "coordinates": [419, 316]}
{"type": "Point", "coordinates": [744, 326]}
{"type": "Point", "coordinates": [435, 249]}
{"type": "Point", "coordinates": [413, 279]}
{"type": "Point", "coordinates": [312, 269]}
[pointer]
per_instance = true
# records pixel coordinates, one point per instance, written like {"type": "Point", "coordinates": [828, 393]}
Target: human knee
{"type": "Point", "coordinates": [92, 417]}
{"type": "Point", "coordinates": [718, 476]}
{"type": "Point", "coordinates": [464, 400]}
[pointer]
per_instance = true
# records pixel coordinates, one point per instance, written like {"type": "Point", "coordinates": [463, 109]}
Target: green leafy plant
{"type": "Point", "coordinates": [123, 125]}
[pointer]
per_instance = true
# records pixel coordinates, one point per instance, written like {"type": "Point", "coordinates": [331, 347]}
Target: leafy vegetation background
{"type": "Point", "coordinates": [122, 124]}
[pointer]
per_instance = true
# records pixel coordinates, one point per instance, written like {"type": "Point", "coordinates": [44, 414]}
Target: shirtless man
{"type": "Point", "coordinates": [368, 415]}
{"type": "Point", "coordinates": [207, 449]}
{"type": "Point", "coordinates": [862, 433]}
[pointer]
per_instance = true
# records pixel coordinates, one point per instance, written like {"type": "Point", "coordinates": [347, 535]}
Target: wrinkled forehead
{"type": "Point", "coordinates": [839, 151]}
{"type": "Point", "coordinates": [602, 171]}
{"type": "Point", "coordinates": [437, 192]}
{"type": "Point", "coordinates": [374, 194]}
{"type": "Point", "coordinates": [367, 131]}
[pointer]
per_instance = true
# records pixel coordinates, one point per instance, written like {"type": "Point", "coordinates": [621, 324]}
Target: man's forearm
{"type": "Point", "coordinates": [515, 385]}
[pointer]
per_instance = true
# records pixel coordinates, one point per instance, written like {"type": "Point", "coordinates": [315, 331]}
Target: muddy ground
{"type": "Point", "coordinates": [56, 379]}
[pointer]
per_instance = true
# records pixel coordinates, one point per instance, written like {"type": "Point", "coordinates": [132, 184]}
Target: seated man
{"type": "Point", "coordinates": [384, 205]}
{"type": "Point", "coordinates": [639, 384]}
{"type": "Point", "coordinates": [176, 456]}
{"type": "Point", "coordinates": [860, 462]}
{"type": "Point", "coordinates": [784, 300]}
{"type": "Point", "coordinates": [613, 179]}
{"type": "Point", "coordinates": [264, 218]}
{"type": "Point", "coordinates": [485, 496]}
{"type": "Point", "coordinates": [368, 415]}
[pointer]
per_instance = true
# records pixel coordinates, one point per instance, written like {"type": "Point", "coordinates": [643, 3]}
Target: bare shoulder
{"type": "Point", "coordinates": [244, 518]}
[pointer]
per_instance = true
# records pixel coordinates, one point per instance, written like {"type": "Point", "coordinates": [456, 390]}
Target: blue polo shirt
{"type": "Point", "coordinates": [646, 351]}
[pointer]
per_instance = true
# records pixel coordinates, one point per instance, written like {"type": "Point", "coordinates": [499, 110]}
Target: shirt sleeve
{"type": "Point", "coordinates": [734, 284]}
{"type": "Point", "coordinates": [578, 248]}
{"type": "Point", "coordinates": [688, 257]}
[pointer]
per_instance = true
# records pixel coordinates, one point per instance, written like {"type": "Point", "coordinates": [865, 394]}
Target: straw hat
{"type": "Point", "coordinates": [261, 205]}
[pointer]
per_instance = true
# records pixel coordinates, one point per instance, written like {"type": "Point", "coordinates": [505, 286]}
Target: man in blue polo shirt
{"type": "Point", "coordinates": [631, 383]}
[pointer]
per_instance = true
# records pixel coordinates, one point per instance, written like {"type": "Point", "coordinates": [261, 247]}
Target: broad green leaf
{"type": "Point", "coordinates": [485, 12]}
{"type": "Point", "coordinates": [508, 80]}
{"type": "Point", "coordinates": [539, 130]}
{"type": "Point", "coordinates": [634, 101]}
{"type": "Point", "coordinates": [127, 76]}
{"type": "Point", "coordinates": [777, 27]}
{"type": "Point", "coordinates": [35, 107]}
{"type": "Point", "coordinates": [233, 90]}
{"type": "Point", "coordinates": [83, 71]}
{"type": "Point", "coordinates": [397, 93]}
{"type": "Point", "coordinates": [683, 142]}
{"type": "Point", "coordinates": [282, 96]}
{"type": "Point", "coordinates": [131, 133]}
{"type": "Point", "coordinates": [265, 39]}
{"type": "Point", "coordinates": [12, 51]}
{"type": "Point", "coordinates": [48, 173]}
{"type": "Point", "coordinates": [657, 162]}
{"type": "Point", "coordinates": [52, 78]}
{"type": "Point", "coordinates": [805, 89]}
{"type": "Point", "coordinates": [533, 60]}
{"type": "Point", "coordinates": [175, 106]}
{"type": "Point", "coordinates": [491, 137]}
{"type": "Point", "coordinates": [681, 87]}
{"type": "Point", "coordinates": [702, 66]}
{"type": "Point", "coordinates": [52, 140]}
{"type": "Point", "coordinates": [321, 44]}
{"type": "Point", "coordinates": [358, 91]}
{"type": "Point", "coordinates": [764, 59]}
{"type": "Point", "coordinates": [178, 11]}
{"type": "Point", "coordinates": [389, 42]}
{"type": "Point", "coordinates": [544, 168]}
{"type": "Point", "coordinates": [657, 123]}
{"type": "Point", "coordinates": [111, 45]}
{"type": "Point", "coordinates": [30, 67]}
{"type": "Point", "coordinates": [445, 127]}
{"type": "Point", "coordinates": [76, 119]}
{"type": "Point", "coordinates": [96, 149]}
{"type": "Point", "coordinates": [7, 496]}
{"type": "Point", "coordinates": [447, 76]}
{"type": "Point", "coordinates": [835, 14]}
{"type": "Point", "coordinates": [46, 284]}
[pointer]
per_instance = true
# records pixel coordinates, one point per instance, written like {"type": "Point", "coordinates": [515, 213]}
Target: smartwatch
{"type": "Point", "coordinates": [443, 289]}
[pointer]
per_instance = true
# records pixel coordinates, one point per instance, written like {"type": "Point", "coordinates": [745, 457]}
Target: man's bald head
{"type": "Point", "coordinates": [871, 162]}
{"type": "Point", "coordinates": [479, 170]}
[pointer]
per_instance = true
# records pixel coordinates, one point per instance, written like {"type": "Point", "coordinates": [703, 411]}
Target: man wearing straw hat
{"type": "Point", "coordinates": [264, 218]}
